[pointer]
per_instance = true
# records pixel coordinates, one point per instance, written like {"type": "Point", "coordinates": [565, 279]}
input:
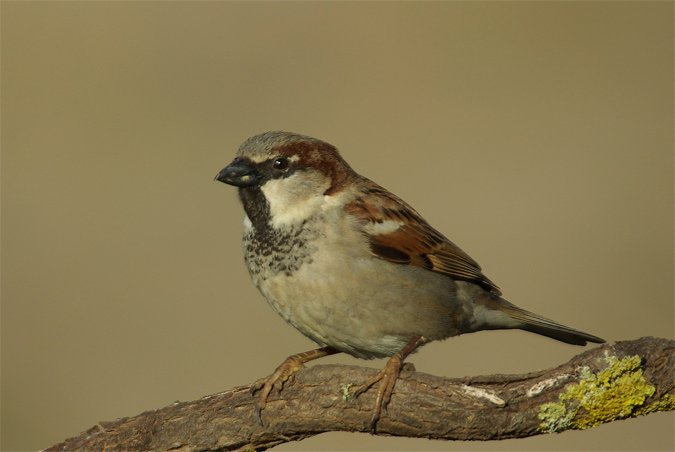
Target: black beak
{"type": "Point", "coordinates": [238, 174]}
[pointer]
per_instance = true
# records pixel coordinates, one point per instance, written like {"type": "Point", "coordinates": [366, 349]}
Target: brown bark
{"type": "Point", "coordinates": [616, 385]}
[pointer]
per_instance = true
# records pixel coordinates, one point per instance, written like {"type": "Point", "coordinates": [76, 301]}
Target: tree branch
{"type": "Point", "coordinates": [616, 381]}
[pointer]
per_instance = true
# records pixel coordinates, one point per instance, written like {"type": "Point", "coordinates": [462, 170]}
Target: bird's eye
{"type": "Point", "coordinates": [281, 163]}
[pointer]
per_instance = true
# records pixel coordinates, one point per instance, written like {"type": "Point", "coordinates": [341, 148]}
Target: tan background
{"type": "Point", "coordinates": [538, 136]}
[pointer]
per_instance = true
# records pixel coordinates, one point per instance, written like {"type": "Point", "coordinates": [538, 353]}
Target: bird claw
{"type": "Point", "coordinates": [258, 414]}
{"type": "Point", "coordinates": [387, 378]}
{"type": "Point", "coordinates": [273, 382]}
{"type": "Point", "coordinates": [257, 386]}
{"type": "Point", "coordinates": [276, 381]}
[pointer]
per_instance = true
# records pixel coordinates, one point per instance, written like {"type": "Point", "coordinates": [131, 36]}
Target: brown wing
{"type": "Point", "coordinates": [399, 234]}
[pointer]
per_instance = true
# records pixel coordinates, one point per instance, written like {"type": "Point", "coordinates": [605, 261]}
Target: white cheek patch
{"type": "Point", "coordinates": [294, 199]}
{"type": "Point", "coordinates": [385, 227]}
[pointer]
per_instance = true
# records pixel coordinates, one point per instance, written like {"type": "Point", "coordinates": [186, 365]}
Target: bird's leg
{"type": "Point", "coordinates": [276, 381]}
{"type": "Point", "coordinates": [387, 378]}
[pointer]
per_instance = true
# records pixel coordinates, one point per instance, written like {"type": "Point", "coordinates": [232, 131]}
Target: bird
{"type": "Point", "coordinates": [354, 267]}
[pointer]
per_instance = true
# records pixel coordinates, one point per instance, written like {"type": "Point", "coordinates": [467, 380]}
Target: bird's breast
{"type": "Point", "coordinates": [322, 279]}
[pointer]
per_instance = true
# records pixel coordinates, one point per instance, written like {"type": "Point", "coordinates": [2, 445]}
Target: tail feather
{"type": "Point", "coordinates": [534, 323]}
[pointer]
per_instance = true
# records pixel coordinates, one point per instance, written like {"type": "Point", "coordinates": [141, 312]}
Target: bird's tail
{"type": "Point", "coordinates": [529, 321]}
{"type": "Point", "coordinates": [547, 327]}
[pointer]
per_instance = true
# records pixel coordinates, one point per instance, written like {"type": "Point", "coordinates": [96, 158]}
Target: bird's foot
{"type": "Point", "coordinates": [276, 381]}
{"type": "Point", "coordinates": [387, 378]}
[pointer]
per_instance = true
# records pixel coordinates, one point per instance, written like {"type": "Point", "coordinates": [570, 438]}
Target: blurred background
{"type": "Point", "coordinates": [538, 136]}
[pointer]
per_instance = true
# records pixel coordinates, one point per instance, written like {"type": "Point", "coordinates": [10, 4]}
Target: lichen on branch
{"type": "Point", "coordinates": [605, 384]}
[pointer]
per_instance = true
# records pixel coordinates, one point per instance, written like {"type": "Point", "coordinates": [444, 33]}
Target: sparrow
{"type": "Point", "coordinates": [354, 267]}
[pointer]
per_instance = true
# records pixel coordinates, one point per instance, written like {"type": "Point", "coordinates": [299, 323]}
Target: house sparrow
{"type": "Point", "coordinates": [354, 267]}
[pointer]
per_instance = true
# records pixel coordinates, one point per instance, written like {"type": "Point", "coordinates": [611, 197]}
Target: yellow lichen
{"type": "Point", "coordinates": [616, 392]}
{"type": "Point", "coordinates": [667, 403]}
{"type": "Point", "coordinates": [346, 396]}
{"type": "Point", "coordinates": [555, 416]}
